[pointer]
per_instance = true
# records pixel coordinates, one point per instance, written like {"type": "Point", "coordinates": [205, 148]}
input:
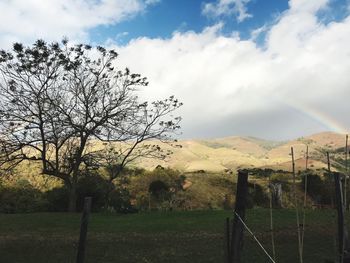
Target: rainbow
{"type": "Point", "coordinates": [319, 116]}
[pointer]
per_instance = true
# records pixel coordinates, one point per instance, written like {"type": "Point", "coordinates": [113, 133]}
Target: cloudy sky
{"type": "Point", "coordinates": [274, 69]}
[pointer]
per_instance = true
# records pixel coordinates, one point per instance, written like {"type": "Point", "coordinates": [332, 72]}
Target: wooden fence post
{"type": "Point", "coordinates": [237, 227]}
{"type": "Point", "coordinates": [227, 240]}
{"type": "Point", "coordinates": [83, 230]}
{"type": "Point", "coordinates": [342, 230]}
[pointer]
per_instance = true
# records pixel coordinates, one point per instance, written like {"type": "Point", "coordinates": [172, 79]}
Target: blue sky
{"type": "Point", "coordinates": [164, 18]}
{"type": "Point", "coordinates": [276, 69]}
{"type": "Point", "coordinates": [168, 16]}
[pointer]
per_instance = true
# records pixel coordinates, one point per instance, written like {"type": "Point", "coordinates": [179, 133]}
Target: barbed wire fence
{"type": "Point", "coordinates": [319, 235]}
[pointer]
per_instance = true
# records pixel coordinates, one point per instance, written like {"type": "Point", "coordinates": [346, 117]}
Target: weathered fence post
{"type": "Point", "coordinates": [83, 230]}
{"type": "Point", "coordinates": [344, 256]}
{"type": "Point", "coordinates": [237, 227]}
{"type": "Point", "coordinates": [227, 240]}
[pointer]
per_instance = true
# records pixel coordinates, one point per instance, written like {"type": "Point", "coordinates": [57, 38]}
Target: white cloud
{"type": "Point", "coordinates": [27, 20]}
{"type": "Point", "coordinates": [228, 85]}
{"type": "Point", "coordinates": [152, 2]}
{"type": "Point", "coordinates": [258, 31]}
{"type": "Point", "coordinates": [227, 8]}
{"type": "Point", "coordinates": [307, 5]}
{"type": "Point", "coordinates": [223, 81]}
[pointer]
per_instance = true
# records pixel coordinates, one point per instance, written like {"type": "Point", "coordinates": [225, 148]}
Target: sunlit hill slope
{"type": "Point", "coordinates": [230, 153]}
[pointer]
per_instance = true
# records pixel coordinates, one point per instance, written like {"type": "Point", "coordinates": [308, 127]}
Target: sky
{"type": "Point", "coordinates": [274, 69]}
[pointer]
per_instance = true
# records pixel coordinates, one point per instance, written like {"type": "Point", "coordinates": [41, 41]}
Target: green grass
{"type": "Point", "coordinates": [195, 236]}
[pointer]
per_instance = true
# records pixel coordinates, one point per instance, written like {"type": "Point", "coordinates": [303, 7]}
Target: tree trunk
{"type": "Point", "coordinates": [72, 186]}
{"type": "Point", "coordinates": [72, 203]}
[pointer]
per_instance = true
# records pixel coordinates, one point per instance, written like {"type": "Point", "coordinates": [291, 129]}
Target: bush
{"type": "Point", "coordinates": [320, 189]}
{"type": "Point", "coordinates": [104, 196]}
{"type": "Point", "coordinates": [156, 189]}
{"type": "Point", "coordinates": [206, 191]}
{"type": "Point", "coordinates": [282, 178]}
{"type": "Point", "coordinates": [256, 196]}
{"type": "Point", "coordinates": [57, 199]}
{"type": "Point", "coordinates": [21, 198]}
{"type": "Point", "coordinates": [97, 188]}
{"type": "Point", "coordinates": [119, 201]}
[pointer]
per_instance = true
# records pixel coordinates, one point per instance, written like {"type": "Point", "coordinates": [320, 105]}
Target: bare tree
{"type": "Point", "coordinates": [56, 100]}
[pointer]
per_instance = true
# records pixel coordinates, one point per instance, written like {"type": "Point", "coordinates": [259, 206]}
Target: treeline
{"type": "Point", "coordinates": [167, 189]}
{"type": "Point", "coordinates": [133, 190]}
{"type": "Point", "coordinates": [22, 197]}
{"type": "Point", "coordinates": [319, 185]}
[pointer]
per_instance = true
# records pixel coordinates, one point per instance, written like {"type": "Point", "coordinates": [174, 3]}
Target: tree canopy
{"type": "Point", "coordinates": [57, 99]}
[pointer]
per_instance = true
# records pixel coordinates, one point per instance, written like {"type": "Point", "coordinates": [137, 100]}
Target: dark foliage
{"type": "Point", "coordinates": [21, 198]}
{"type": "Point", "coordinates": [95, 187]}
{"type": "Point", "coordinates": [319, 188]}
{"type": "Point", "coordinates": [119, 201]}
{"type": "Point", "coordinates": [158, 189]}
{"type": "Point", "coordinates": [57, 199]}
{"type": "Point", "coordinates": [256, 196]}
{"type": "Point", "coordinates": [264, 172]}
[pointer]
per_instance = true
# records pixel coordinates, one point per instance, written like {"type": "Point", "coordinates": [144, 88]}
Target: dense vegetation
{"type": "Point", "coordinates": [162, 189]}
{"type": "Point", "coordinates": [135, 190]}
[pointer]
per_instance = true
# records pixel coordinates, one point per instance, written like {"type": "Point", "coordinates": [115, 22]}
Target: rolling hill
{"type": "Point", "coordinates": [230, 153]}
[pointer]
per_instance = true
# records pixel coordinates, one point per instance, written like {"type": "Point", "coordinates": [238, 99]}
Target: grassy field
{"type": "Point", "coordinates": [195, 236]}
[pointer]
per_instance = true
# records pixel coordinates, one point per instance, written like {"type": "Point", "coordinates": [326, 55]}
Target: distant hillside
{"type": "Point", "coordinates": [230, 153]}
{"type": "Point", "coordinates": [234, 152]}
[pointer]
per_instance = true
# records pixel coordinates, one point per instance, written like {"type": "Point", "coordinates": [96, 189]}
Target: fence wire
{"type": "Point", "coordinates": [320, 243]}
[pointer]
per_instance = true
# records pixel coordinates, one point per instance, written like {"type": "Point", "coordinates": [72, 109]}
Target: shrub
{"type": "Point", "coordinates": [319, 188]}
{"type": "Point", "coordinates": [119, 201]}
{"type": "Point", "coordinates": [97, 188]}
{"type": "Point", "coordinates": [256, 196]}
{"type": "Point", "coordinates": [207, 191]}
{"type": "Point", "coordinates": [21, 198]}
{"type": "Point", "coordinates": [57, 199]}
{"type": "Point", "coordinates": [156, 189]}
{"type": "Point", "coordinates": [104, 196]}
